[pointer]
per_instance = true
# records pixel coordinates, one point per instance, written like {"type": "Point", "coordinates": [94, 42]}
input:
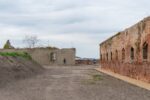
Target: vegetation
{"type": "Point", "coordinates": [97, 77]}
{"type": "Point", "coordinates": [16, 54]}
{"type": "Point", "coordinates": [93, 80]}
{"type": "Point", "coordinates": [49, 47]}
{"type": "Point", "coordinates": [6, 46]}
{"type": "Point", "coordinates": [31, 41]}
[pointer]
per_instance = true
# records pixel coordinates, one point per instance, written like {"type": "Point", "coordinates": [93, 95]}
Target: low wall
{"type": "Point", "coordinates": [139, 71]}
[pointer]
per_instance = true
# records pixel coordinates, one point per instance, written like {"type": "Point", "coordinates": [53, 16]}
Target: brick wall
{"type": "Point", "coordinates": [128, 52]}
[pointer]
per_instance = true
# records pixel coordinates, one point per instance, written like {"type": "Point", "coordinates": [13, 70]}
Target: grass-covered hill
{"type": "Point", "coordinates": [15, 66]}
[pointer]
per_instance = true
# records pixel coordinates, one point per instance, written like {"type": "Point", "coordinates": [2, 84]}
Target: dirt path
{"type": "Point", "coordinates": [138, 83]}
{"type": "Point", "coordinates": [72, 83]}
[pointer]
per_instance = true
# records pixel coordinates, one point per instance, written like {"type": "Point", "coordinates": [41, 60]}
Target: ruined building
{"type": "Point", "coordinates": [47, 56]}
{"type": "Point", "coordinates": [128, 52]}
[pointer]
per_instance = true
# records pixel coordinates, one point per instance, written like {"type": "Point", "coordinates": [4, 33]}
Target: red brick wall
{"type": "Point", "coordinates": [135, 70]}
{"type": "Point", "coordinates": [135, 37]}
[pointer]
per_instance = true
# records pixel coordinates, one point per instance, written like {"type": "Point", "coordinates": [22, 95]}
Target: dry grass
{"type": "Point", "coordinates": [94, 79]}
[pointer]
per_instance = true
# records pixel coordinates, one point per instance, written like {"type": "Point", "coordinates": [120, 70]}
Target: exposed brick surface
{"type": "Point", "coordinates": [117, 54]}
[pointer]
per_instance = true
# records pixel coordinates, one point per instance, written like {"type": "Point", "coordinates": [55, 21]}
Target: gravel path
{"type": "Point", "coordinates": [72, 83]}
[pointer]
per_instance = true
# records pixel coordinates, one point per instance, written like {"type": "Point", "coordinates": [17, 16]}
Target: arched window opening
{"type": "Point", "coordinates": [107, 56]}
{"type": "Point", "coordinates": [145, 50]}
{"type": "Point", "coordinates": [65, 61]}
{"type": "Point", "coordinates": [52, 57]}
{"type": "Point", "coordinates": [101, 57]}
{"type": "Point", "coordinates": [111, 55]}
{"type": "Point", "coordinates": [116, 55]}
{"type": "Point", "coordinates": [132, 53]}
{"type": "Point", "coordinates": [123, 54]}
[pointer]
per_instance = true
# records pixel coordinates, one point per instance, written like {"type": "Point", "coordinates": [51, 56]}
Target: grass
{"type": "Point", "coordinates": [94, 79]}
{"type": "Point", "coordinates": [16, 54]}
{"type": "Point", "coordinates": [97, 77]}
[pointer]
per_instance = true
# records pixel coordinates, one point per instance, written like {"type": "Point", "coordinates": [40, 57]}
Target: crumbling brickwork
{"type": "Point", "coordinates": [128, 52]}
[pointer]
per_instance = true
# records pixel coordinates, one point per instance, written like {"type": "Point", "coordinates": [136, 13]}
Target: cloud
{"type": "Point", "coordinates": [66, 23]}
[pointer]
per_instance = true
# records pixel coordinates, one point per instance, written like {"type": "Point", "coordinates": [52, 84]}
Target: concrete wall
{"type": "Point", "coordinates": [68, 55]}
{"type": "Point", "coordinates": [111, 51]}
{"type": "Point", "coordinates": [43, 55]}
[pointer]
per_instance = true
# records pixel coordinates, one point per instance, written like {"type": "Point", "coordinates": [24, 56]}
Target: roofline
{"type": "Point", "coordinates": [110, 38]}
{"type": "Point", "coordinates": [121, 32]}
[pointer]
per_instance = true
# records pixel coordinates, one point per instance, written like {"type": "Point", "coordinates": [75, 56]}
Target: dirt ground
{"type": "Point", "coordinates": [72, 83]}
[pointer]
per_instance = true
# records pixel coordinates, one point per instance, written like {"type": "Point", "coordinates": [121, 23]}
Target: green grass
{"type": "Point", "coordinates": [93, 80]}
{"type": "Point", "coordinates": [97, 77]}
{"type": "Point", "coordinates": [16, 54]}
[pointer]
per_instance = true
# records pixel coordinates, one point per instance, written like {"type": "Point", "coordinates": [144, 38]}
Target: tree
{"type": "Point", "coordinates": [8, 45]}
{"type": "Point", "coordinates": [31, 41]}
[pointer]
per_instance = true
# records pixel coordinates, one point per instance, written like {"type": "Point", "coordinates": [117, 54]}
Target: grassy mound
{"type": "Point", "coordinates": [16, 66]}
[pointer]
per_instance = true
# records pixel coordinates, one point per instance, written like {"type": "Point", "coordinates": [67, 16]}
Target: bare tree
{"type": "Point", "coordinates": [31, 41]}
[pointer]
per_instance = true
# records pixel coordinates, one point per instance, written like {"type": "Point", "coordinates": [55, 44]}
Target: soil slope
{"type": "Point", "coordinates": [16, 68]}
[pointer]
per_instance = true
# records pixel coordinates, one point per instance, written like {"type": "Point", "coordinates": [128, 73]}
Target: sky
{"type": "Point", "coordinates": [82, 24]}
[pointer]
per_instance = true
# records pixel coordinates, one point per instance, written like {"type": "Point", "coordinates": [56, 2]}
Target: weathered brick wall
{"type": "Point", "coordinates": [111, 51]}
{"type": "Point", "coordinates": [133, 70]}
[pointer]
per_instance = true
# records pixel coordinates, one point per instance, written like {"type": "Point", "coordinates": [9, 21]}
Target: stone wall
{"type": "Point", "coordinates": [66, 54]}
{"type": "Point", "coordinates": [128, 51]}
{"type": "Point", "coordinates": [45, 56]}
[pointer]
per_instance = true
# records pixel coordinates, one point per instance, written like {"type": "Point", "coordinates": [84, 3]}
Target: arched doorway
{"type": "Point", "coordinates": [64, 61]}
{"type": "Point", "coordinates": [123, 54]}
{"type": "Point", "coordinates": [145, 51]}
{"type": "Point", "coordinates": [52, 57]}
{"type": "Point", "coordinates": [132, 53]}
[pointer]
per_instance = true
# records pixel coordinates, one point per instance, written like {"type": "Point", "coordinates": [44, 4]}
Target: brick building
{"type": "Point", "coordinates": [128, 51]}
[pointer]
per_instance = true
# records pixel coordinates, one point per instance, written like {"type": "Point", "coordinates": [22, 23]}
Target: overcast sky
{"type": "Point", "coordinates": [82, 24]}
